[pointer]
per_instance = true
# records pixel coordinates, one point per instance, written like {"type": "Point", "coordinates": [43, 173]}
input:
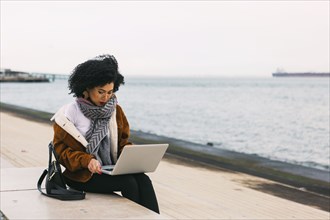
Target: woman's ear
{"type": "Point", "coordinates": [86, 96]}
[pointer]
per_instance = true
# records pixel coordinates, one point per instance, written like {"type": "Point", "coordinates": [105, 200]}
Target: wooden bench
{"type": "Point", "coordinates": [20, 199]}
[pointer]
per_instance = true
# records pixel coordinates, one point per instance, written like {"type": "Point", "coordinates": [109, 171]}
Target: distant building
{"type": "Point", "coordinates": [7, 75]}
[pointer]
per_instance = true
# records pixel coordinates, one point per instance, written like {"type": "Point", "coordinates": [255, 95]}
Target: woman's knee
{"type": "Point", "coordinates": [130, 182]}
{"type": "Point", "coordinates": [143, 178]}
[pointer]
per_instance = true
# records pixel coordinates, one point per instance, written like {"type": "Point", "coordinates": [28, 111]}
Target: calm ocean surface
{"type": "Point", "coordinates": [285, 119]}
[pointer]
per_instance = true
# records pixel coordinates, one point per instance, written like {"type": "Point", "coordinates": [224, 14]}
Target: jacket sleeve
{"type": "Point", "coordinates": [72, 154]}
{"type": "Point", "coordinates": [123, 129]}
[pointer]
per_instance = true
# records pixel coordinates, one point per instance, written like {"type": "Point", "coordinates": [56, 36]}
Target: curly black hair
{"type": "Point", "coordinates": [99, 71]}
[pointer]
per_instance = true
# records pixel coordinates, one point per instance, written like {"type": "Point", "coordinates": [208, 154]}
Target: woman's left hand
{"type": "Point", "coordinates": [94, 166]}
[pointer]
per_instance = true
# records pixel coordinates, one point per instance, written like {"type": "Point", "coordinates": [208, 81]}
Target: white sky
{"type": "Point", "coordinates": [167, 38]}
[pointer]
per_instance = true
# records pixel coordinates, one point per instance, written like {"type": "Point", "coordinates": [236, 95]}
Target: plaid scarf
{"type": "Point", "coordinates": [97, 135]}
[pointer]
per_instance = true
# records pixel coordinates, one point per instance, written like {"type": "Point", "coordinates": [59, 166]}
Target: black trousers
{"type": "Point", "coordinates": [136, 187]}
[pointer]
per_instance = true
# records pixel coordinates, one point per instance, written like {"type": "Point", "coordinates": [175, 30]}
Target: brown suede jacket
{"type": "Point", "coordinates": [70, 146]}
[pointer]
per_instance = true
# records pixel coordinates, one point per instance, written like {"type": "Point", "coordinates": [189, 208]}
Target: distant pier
{"type": "Point", "coordinates": [51, 77]}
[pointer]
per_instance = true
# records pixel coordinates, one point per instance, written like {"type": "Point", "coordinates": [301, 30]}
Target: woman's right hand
{"type": "Point", "coordinates": [94, 166]}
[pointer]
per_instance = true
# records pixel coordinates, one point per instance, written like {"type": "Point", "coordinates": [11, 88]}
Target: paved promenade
{"type": "Point", "coordinates": [185, 190]}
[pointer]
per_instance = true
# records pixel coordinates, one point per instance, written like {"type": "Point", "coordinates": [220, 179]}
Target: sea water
{"type": "Point", "coordinates": [285, 119]}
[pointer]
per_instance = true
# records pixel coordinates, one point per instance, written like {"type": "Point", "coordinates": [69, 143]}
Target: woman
{"type": "Point", "coordinates": [92, 131]}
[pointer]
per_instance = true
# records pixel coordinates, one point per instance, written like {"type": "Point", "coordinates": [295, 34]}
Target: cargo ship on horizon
{"type": "Point", "coordinates": [302, 74]}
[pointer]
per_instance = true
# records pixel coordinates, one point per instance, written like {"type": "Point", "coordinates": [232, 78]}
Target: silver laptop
{"type": "Point", "coordinates": [137, 159]}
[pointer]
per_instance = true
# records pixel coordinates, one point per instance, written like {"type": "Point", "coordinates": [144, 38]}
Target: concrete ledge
{"type": "Point", "coordinates": [32, 205]}
{"type": "Point", "coordinates": [20, 199]}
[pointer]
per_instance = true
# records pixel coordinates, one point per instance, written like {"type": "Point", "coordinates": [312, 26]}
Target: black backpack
{"type": "Point", "coordinates": [55, 183]}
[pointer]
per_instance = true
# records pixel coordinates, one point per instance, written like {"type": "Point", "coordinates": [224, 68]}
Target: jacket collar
{"type": "Point", "coordinates": [68, 126]}
{"type": "Point", "coordinates": [60, 119]}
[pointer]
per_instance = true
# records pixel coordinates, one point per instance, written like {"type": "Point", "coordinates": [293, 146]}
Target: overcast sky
{"type": "Point", "coordinates": [167, 38]}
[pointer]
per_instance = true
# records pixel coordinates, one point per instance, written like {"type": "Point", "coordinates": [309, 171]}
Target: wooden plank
{"type": "Point", "coordinates": [221, 196]}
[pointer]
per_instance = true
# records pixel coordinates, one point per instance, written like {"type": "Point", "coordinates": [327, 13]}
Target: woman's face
{"type": "Point", "coordinates": [100, 95]}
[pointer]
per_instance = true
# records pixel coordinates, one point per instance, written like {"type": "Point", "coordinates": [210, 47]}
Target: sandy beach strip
{"type": "Point", "coordinates": [185, 188]}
